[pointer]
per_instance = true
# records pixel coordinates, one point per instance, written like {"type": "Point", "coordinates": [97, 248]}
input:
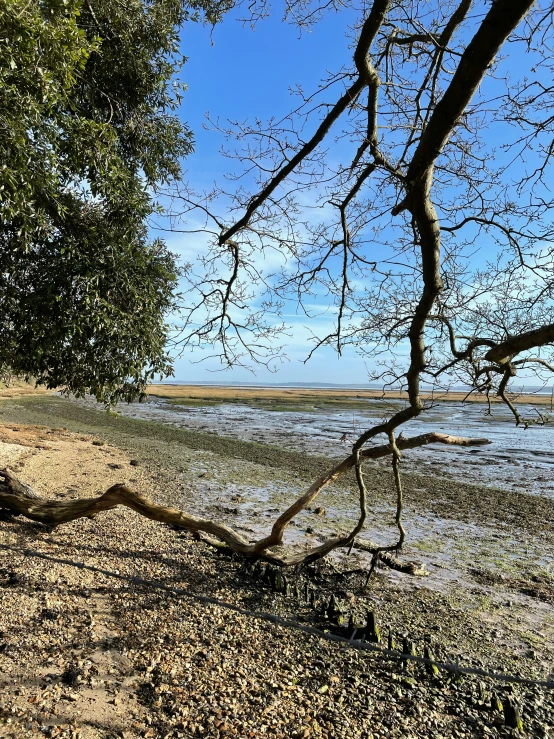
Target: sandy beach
{"type": "Point", "coordinates": [88, 651]}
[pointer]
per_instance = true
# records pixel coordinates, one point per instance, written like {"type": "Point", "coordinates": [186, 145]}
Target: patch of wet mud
{"type": "Point", "coordinates": [450, 550]}
{"type": "Point", "coordinates": [517, 459]}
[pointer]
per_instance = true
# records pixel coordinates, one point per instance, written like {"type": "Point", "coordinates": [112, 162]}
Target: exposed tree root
{"type": "Point", "coordinates": [18, 498]}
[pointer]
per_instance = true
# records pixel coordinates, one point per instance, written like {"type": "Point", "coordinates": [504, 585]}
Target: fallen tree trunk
{"type": "Point", "coordinates": [18, 498]}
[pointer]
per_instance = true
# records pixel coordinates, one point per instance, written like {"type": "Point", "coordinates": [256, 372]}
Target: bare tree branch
{"type": "Point", "coordinates": [16, 497]}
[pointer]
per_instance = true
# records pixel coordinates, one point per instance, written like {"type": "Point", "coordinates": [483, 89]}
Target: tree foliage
{"type": "Point", "coordinates": [88, 130]}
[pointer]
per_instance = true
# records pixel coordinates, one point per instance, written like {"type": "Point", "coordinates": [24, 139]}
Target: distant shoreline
{"type": "Point", "coordinates": [295, 394]}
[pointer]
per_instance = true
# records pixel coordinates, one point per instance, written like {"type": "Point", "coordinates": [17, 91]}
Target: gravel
{"type": "Point", "coordinates": [86, 650]}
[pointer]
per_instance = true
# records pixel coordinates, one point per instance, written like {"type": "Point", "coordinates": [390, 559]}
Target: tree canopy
{"type": "Point", "coordinates": [89, 130]}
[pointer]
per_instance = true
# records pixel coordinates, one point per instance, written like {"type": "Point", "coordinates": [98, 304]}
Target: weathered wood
{"type": "Point", "coordinates": [55, 512]}
{"type": "Point", "coordinates": [333, 610]}
{"type": "Point", "coordinates": [279, 582]}
{"type": "Point", "coordinates": [338, 471]}
{"type": "Point", "coordinates": [409, 568]}
{"type": "Point", "coordinates": [512, 716]}
{"type": "Point", "coordinates": [372, 631]}
{"type": "Point", "coordinates": [496, 703]}
{"type": "Point", "coordinates": [432, 669]}
{"type": "Point", "coordinates": [408, 649]}
{"type": "Point", "coordinates": [20, 499]}
{"type": "Point", "coordinates": [355, 630]}
{"type": "Point", "coordinates": [15, 486]}
{"type": "Point", "coordinates": [483, 693]}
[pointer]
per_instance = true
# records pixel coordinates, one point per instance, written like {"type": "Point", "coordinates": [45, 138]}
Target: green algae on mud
{"type": "Point", "coordinates": [286, 406]}
{"type": "Point", "coordinates": [454, 617]}
{"type": "Point", "coordinates": [165, 447]}
{"type": "Point", "coordinates": [139, 434]}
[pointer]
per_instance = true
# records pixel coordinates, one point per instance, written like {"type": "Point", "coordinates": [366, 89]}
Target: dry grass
{"type": "Point", "coordinates": [299, 396]}
{"type": "Point", "coordinates": [17, 388]}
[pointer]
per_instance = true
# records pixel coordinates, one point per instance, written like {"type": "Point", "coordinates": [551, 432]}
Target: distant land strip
{"type": "Point", "coordinates": [299, 395]}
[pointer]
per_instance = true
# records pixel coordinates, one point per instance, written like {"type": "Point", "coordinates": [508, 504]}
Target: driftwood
{"type": "Point", "coordinates": [19, 499]}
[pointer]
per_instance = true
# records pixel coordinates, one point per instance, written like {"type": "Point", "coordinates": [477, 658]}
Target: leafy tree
{"type": "Point", "coordinates": [88, 131]}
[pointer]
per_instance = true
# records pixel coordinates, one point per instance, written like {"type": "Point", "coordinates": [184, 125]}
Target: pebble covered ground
{"type": "Point", "coordinates": [86, 650]}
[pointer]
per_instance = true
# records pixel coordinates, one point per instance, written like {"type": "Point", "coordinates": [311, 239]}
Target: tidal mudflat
{"type": "Point", "coordinates": [140, 653]}
{"type": "Point", "coordinates": [517, 459]}
{"type": "Point", "coordinates": [243, 466]}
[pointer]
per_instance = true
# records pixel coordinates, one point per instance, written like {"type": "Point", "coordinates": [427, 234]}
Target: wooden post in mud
{"type": "Point", "coordinates": [335, 611]}
{"type": "Point", "coordinates": [356, 629]}
{"type": "Point", "coordinates": [432, 669]}
{"type": "Point", "coordinates": [332, 609]}
{"type": "Point", "coordinates": [408, 649]}
{"type": "Point", "coordinates": [277, 582]}
{"type": "Point", "coordinates": [512, 716]}
{"type": "Point", "coordinates": [390, 642]}
{"type": "Point", "coordinates": [372, 631]}
{"type": "Point", "coordinates": [258, 570]}
{"type": "Point", "coordinates": [496, 703]}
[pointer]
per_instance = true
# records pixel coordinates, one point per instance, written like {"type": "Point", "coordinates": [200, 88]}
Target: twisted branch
{"type": "Point", "coordinates": [17, 498]}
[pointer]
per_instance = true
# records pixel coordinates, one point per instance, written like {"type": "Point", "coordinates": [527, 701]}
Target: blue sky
{"type": "Point", "coordinates": [236, 72]}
